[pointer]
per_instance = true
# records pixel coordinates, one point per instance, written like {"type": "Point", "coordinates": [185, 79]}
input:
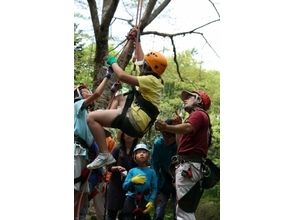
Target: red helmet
{"type": "Point", "coordinates": [203, 100]}
{"type": "Point", "coordinates": [206, 102]}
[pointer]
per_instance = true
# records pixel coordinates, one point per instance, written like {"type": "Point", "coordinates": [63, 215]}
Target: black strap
{"type": "Point", "coordinates": [80, 141]}
{"type": "Point", "coordinates": [209, 126]}
{"type": "Point", "coordinates": [78, 179]}
{"type": "Point", "coordinates": [150, 109]}
{"type": "Point", "coordinates": [128, 102]}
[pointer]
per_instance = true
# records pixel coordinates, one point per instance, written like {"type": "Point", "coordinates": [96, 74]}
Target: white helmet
{"type": "Point", "coordinates": [141, 146]}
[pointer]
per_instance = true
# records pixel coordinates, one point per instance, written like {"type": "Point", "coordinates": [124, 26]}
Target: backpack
{"type": "Point", "coordinates": [210, 171]}
{"type": "Point", "coordinates": [211, 174]}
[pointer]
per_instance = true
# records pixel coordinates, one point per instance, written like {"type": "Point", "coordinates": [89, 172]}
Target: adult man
{"type": "Point", "coordinates": [164, 149]}
{"type": "Point", "coordinates": [193, 141]}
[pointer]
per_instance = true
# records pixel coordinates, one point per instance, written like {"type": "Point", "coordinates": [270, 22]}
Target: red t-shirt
{"type": "Point", "coordinates": [196, 142]}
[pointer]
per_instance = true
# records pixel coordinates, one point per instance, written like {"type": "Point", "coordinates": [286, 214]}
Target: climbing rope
{"type": "Point", "coordinates": [81, 195]}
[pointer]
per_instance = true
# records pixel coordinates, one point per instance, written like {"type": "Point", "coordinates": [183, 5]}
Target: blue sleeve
{"type": "Point", "coordinates": [127, 183]}
{"type": "Point", "coordinates": [154, 157]}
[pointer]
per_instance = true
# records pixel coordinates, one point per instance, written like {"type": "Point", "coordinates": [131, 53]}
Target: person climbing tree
{"type": "Point", "coordinates": [141, 107]}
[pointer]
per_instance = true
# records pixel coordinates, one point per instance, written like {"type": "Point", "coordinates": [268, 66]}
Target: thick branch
{"type": "Point", "coordinates": [147, 13]}
{"type": "Point", "coordinates": [108, 12]}
{"type": "Point", "coordinates": [158, 10]}
{"type": "Point", "coordinates": [94, 17]}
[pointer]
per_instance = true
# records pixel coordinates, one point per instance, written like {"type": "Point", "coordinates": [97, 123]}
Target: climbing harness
{"type": "Point", "coordinates": [150, 109]}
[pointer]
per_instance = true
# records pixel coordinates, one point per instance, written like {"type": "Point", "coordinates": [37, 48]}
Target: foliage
{"type": "Point", "coordinates": [83, 57]}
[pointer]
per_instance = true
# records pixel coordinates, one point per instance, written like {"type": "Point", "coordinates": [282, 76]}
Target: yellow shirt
{"type": "Point", "coordinates": [150, 88]}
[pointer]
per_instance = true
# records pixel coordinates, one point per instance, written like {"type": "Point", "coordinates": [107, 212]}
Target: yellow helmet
{"type": "Point", "coordinates": [156, 61]}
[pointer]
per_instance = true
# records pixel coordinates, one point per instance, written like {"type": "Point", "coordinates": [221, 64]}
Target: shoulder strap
{"type": "Point", "coordinates": [209, 127]}
{"type": "Point", "coordinates": [150, 109]}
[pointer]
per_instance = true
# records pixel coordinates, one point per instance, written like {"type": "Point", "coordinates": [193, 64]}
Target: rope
{"type": "Point", "coordinates": [81, 196]}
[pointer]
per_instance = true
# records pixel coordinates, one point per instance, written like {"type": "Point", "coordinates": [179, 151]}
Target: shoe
{"type": "Point", "coordinates": [101, 160]}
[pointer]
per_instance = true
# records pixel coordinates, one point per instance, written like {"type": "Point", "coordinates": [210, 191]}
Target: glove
{"type": "Point", "coordinates": [111, 60]}
{"type": "Point", "coordinates": [139, 179]}
{"type": "Point", "coordinates": [149, 207]}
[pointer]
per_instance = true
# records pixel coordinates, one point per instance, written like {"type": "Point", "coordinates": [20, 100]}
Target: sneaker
{"type": "Point", "coordinates": [101, 160]}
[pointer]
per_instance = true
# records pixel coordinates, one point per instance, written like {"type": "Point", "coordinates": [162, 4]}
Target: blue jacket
{"type": "Point", "coordinates": [160, 162]}
{"type": "Point", "coordinates": [149, 188]}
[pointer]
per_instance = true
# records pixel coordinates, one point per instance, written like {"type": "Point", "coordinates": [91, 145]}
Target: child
{"type": "Point", "coordinates": [137, 116]}
{"type": "Point", "coordinates": [141, 187]}
{"type": "Point", "coordinates": [123, 153]}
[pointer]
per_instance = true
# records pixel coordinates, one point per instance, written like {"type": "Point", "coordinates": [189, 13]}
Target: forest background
{"type": "Point", "coordinates": [192, 76]}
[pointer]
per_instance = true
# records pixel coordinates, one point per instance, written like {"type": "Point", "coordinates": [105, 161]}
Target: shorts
{"type": "Point", "coordinates": [123, 123]}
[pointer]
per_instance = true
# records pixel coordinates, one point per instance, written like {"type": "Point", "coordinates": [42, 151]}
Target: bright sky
{"type": "Point", "coordinates": [178, 16]}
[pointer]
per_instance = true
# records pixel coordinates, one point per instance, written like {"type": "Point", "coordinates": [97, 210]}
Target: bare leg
{"type": "Point", "coordinates": [118, 102]}
{"type": "Point", "coordinates": [96, 121]}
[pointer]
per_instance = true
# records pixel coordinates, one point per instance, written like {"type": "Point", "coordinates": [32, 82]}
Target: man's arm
{"type": "Point", "coordinates": [183, 128]}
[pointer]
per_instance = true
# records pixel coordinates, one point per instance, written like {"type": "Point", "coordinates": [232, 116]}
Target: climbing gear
{"type": "Point", "coordinates": [141, 146]}
{"type": "Point", "coordinates": [150, 109]}
{"type": "Point", "coordinates": [156, 61]}
{"type": "Point", "coordinates": [80, 141]}
{"type": "Point", "coordinates": [211, 174]}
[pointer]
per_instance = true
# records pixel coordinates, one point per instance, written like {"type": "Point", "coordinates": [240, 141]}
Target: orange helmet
{"type": "Point", "coordinates": [156, 61]}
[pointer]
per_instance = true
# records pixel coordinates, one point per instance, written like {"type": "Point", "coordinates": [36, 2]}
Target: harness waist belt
{"type": "Point", "coordinates": [191, 158]}
{"type": "Point", "coordinates": [81, 141]}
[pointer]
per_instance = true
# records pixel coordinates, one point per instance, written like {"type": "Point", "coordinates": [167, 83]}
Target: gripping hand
{"type": "Point", "coordinates": [111, 60]}
{"type": "Point", "coordinates": [139, 179]}
{"type": "Point", "coordinates": [149, 207]}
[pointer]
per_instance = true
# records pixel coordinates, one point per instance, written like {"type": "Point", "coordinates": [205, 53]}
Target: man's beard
{"type": "Point", "coordinates": [189, 108]}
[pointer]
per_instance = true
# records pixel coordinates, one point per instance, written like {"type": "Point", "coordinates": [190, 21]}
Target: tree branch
{"type": "Point", "coordinates": [214, 8]}
{"type": "Point", "coordinates": [175, 58]}
{"type": "Point", "coordinates": [158, 10]}
{"type": "Point", "coordinates": [193, 31]}
{"type": "Point", "coordinates": [149, 8]}
{"type": "Point", "coordinates": [94, 18]}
